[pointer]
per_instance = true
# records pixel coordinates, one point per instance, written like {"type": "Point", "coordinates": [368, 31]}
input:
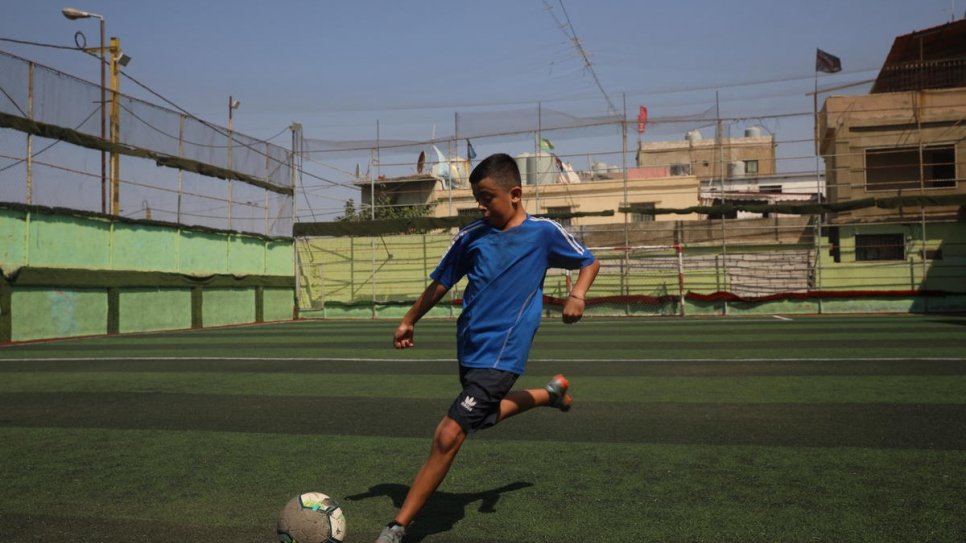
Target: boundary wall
{"type": "Point", "coordinates": [379, 276]}
{"type": "Point", "coordinates": [66, 273]}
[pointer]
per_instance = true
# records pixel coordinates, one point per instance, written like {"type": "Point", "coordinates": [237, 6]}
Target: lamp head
{"type": "Point", "coordinates": [74, 14]}
{"type": "Point", "coordinates": [123, 59]}
{"type": "Point", "coordinates": [233, 104]}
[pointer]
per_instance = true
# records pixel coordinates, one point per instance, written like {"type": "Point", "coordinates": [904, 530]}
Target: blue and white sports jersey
{"type": "Point", "coordinates": [504, 298]}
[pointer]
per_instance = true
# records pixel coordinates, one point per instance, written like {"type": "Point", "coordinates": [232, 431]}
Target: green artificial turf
{"type": "Point", "coordinates": [816, 429]}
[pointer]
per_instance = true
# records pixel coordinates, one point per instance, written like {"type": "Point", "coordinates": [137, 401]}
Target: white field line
{"type": "Point", "coordinates": [779, 317]}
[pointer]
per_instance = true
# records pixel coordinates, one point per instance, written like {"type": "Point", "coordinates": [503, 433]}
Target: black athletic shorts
{"type": "Point", "coordinates": [478, 405]}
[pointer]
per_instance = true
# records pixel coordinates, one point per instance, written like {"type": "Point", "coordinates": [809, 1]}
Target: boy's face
{"type": "Point", "coordinates": [497, 204]}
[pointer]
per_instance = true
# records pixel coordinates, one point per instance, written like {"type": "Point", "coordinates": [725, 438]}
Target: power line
{"type": "Point", "coordinates": [572, 36]}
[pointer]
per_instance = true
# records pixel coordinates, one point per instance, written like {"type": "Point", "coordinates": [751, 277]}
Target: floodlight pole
{"type": "Point", "coordinates": [115, 50]}
{"type": "Point", "coordinates": [103, 122]}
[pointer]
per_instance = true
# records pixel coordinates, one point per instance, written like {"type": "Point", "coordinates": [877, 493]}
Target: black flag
{"type": "Point", "coordinates": [827, 62]}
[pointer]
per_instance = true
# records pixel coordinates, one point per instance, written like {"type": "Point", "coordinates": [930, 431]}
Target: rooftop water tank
{"type": "Point", "coordinates": [524, 161]}
{"type": "Point", "coordinates": [753, 132]}
{"type": "Point", "coordinates": [693, 135]}
{"type": "Point", "coordinates": [736, 168]}
{"type": "Point", "coordinates": [600, 170]}
{"type": "Point", "coordinates": [543, 169]}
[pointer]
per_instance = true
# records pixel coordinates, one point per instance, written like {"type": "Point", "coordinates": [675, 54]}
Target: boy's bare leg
{"type": "Point", "coordinates": [518, 401]}
{"type": "Point", "coordinates": [447, 440]}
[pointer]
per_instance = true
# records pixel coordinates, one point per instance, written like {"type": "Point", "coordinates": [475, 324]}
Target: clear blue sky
{"type": "Point", "coordinates": [338, 67]}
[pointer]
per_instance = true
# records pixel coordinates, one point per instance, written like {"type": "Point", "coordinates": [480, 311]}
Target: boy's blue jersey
{"type": "Point", "coordinates": [504, 296]}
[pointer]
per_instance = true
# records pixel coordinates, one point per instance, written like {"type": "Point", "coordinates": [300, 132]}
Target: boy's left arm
{"type": "Point", "coordinates": [576, 302]}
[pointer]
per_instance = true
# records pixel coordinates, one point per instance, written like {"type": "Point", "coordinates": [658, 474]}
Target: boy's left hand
{"type": "Point", "coordinates": [403, 338]}
{"type": "Point", "coordinates": [573, 310]}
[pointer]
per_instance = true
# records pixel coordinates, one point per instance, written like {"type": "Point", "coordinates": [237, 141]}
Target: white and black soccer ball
{"type": "Point", "coordinates": [312, 517]}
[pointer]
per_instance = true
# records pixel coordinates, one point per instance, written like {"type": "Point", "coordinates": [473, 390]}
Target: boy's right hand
{"type": "Point", "coordinates": [404, 336]}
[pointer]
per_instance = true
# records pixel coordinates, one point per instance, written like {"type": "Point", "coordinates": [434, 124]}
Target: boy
{"type": "Point", "coordinates": [505, 257]}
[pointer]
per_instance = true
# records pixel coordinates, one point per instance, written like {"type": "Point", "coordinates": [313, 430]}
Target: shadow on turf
{"type": "Point", "coordinates": [443, 510]}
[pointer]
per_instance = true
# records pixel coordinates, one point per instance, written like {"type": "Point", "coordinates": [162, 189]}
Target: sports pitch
{"type": "Point", "coordinates": [716, 430]}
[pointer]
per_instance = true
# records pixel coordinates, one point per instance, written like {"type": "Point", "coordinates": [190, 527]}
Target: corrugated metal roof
{"type": "Point", "coordinates": [933, 58]}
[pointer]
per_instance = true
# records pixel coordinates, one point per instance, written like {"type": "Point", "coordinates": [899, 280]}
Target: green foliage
{"type": "Point", "coordinates": [385, 208]}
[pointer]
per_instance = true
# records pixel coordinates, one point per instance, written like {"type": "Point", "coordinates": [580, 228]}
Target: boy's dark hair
{"type": "Point", "coordinates": [501, 168]}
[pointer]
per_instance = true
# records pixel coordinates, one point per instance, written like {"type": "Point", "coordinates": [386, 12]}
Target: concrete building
{"type": "Point", "coordinates": [593, 197]}
{"type": "Point", "coordinates": [906, 137]}
{"type": "Point", "coordinates": [753, 154]}
{"type": "Point", "coordinates": [791, 188]}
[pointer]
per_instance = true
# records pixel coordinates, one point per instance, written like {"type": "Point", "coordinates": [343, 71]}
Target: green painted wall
{"type": "Point", "coordinates": [48, 239]}
{"type": "Point", "coordinates": [278, 258]}
{"type": "Point", "coordinates": [33, 238]}
{"type": "Point", "coordinates": [277, 304]}
{"type": "Point", "coordinates": [63, 241]}
{"type": "Point", "coordinates": [142, 310]}
{"type": "Point", "coordinates": [203, 252]}
{"type": "Point", "coordinates": [947, 273]}
{"type": "Point", "coordinates": [147, 247]}
{"type": "Point", "coordinates": [345, 277]}
{"type": "Point", "coordinates": [13, 236]}
{"type": "Point", "coordinates": [227, 306]}
{"type": "Point", "coordinates": [40, 313]}
{"type": "Point", "coordinates": [246, 255]}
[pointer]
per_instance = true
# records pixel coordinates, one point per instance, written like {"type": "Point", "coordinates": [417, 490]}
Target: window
{"type": "Point", "coordinates": [565, 221]}
{"type": "Point", "coordinates": [835, 244]}
{"type": "Point", "coordinates": [680, 169]}
{"type": "Point", "coordinates": [879, 247]}
{"type": "Point", "coordinates": [770, 189]}
{"type": "Point", "coordinates": [468, 212]}
{"type": "Point", "coordinates": [751, 166]}
{"type": "Point", "coordinates": [643, 212]}
{"type": "Point", "coordinates": [899, 168]}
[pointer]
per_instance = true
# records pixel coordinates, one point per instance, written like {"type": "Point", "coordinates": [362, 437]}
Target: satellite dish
{"type": "Point", "coordinates": [421, 162]}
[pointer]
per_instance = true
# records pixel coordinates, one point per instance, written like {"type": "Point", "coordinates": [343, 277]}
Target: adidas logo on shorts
{"type": "Point", "coordinates": [468, 403]}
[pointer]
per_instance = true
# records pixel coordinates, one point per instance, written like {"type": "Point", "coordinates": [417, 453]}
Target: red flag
{"type": "Point", "coordinates": [641, 120]}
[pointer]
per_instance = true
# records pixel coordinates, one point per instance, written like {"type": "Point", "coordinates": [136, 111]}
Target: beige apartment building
{"type": "Point", "coordinates": [668, 175]}
{"type": "Point", "coordinates": [907, 137]}
{"type": "Point", "coordinates": [592, 201]}
{"type": "Point", "coordinates": [751, 155]}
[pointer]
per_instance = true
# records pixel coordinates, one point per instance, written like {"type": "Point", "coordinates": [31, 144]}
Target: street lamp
{"type": "Point", "coordinates": [232, 105]}
{"type": "Point", "coordinates": [117, 58]}
{"type": "Point", "coordinates": [74, 14]}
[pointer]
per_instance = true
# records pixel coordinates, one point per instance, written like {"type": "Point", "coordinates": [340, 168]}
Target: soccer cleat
{"type": "Point", "coordinates": [557, 387]}
{"type": "Point", "coordinates": [392, 534]}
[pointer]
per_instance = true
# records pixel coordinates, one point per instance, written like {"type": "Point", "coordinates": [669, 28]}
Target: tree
{"type": "Point", "coordinates": [349, 212]}
{"type": "Point", "coordinates": [384, 209]}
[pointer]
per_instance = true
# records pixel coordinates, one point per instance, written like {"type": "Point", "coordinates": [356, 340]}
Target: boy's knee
{"type": "Point", "coordinates": [449, 436]}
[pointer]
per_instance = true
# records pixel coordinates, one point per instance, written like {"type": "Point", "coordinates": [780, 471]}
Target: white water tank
{"type": "Point", "coordinates": [736, 168]}
{"type": "Point", "coordinates": [693, 135]}
{"type": "Point", "coordinates": [753, 132]}
{"type": "Point", "coordinates": [543, 169]}
{"type": "Point", "coordinates": [600, 170]}
{"type": "Point", "coordinates": [537, 168]}
{"type": "Point", "coordinates": [524, 161]}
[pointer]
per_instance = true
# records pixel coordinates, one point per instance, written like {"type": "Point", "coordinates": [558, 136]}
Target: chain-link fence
{"type": "Point", "coordinates": [146, 162]}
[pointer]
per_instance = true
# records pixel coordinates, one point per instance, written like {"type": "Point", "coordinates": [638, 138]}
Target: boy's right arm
{"type": "Point", "coordinates": [404, 332]}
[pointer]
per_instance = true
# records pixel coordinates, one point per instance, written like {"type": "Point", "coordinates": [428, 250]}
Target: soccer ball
{"type": "Point", "coordinates": [312, 517]}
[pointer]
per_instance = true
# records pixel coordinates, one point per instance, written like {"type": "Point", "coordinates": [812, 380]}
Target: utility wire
{"type": "Point", "coordinates": [571, 34]}
{"type": "Point", "coordinates": [55, 142]}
